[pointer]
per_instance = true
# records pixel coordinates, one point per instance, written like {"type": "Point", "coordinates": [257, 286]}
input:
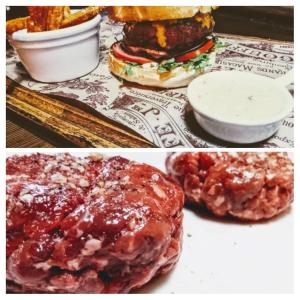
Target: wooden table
{"type": "Point", "coordinates": [17, 135]}
{"type": "Point", "coordinates": [36, 120]}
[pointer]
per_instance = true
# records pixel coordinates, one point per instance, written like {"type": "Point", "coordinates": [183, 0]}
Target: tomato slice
{"type": "Point", "coordinates": [192, 54]}
{"type": "Point", "coordinates": [121, 54]}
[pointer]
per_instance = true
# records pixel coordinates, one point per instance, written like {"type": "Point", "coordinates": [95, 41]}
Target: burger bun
{"type": "Point", "coordinates": [155, 13]}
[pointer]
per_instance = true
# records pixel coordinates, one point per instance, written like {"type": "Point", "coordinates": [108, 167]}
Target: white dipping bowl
{"type": "Point", "coordinates": [223, 105]}
{"type": "Point", "coordinates": [59, 55]}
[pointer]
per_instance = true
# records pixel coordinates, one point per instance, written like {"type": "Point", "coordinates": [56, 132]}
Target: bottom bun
{"type": "Point", "coordinates": [148, 74]}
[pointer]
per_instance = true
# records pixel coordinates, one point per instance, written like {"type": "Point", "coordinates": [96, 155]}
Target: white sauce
{"type": "Point", "coordinates": [246, 99]}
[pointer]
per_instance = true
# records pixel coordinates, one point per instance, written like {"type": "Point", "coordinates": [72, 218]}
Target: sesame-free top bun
{"type": "Point", "coordinates": [149, 76]}
{"type": "Point", "coordinates": [155, 13]}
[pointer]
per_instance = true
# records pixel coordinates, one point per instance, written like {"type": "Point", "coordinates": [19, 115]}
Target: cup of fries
{"type": "Point", "coordinates": [56, 45]}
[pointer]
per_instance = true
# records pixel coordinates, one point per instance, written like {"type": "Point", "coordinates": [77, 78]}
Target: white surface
{"type": "Point", "coordinates": [59, 55]}
{"type": "Point", "coordinates": [242, 108]}
{"type": "Point", "coordinates": [227, 257]}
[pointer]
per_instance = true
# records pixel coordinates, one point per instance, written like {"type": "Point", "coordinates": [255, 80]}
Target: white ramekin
{"type": "Point", "coordinates": [59, 55]}
{"type": "Point", "coordinates": [242, 133]}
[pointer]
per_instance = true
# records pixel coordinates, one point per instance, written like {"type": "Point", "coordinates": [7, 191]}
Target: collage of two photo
{"type": "Point", "coordinates": [149, 149]}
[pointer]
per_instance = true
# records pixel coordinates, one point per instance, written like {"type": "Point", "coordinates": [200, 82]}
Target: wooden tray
{"type": "Point", "coordinates": [75, 125]}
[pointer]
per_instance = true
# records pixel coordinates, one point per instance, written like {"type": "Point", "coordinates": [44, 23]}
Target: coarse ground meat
{"type": "Point", "coordinates": [190, 170]}
{"type": "Point", "coordinates": [88, 225]}
{"type": "Point", "coordinates": [245, 185]}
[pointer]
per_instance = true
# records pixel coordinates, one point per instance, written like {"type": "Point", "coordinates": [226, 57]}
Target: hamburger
{"type": "Point", "coordinates": [163, 46]}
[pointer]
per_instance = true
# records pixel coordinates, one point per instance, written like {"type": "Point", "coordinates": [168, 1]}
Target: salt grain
{"type": "Point", "coordinates": [58, 178]}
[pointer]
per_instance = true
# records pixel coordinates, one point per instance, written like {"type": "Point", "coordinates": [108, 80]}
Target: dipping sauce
{"type": "Point", "coordinates": [238, 97]}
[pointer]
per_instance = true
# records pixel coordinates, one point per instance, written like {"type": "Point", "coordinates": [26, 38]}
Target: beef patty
{"type": "Point", "coordinates": [88, 225]}
{"type": "Point", "coordinates": [244, 185]}
{"type": "Point", "coordinates": [171, 35]}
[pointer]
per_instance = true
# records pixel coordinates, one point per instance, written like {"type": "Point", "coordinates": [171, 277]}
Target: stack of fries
{"type": "Point", "coordinates": [46, 18]}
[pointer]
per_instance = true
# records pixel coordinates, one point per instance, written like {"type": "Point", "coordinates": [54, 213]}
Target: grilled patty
{"type": "Point", "coordinates": [170, 35]}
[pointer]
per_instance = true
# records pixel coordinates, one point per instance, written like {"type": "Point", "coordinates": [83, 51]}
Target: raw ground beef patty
{"type": "Point", "coordinates": [246, 185]}
{"type": "Point", "coordinates": [88, 225]}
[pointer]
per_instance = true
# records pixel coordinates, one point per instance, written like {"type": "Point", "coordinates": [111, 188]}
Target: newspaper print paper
{"type": "Point", "coordinates": [164, 117]}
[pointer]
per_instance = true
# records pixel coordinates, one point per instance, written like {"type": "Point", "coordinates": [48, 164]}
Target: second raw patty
{"type": "Point", "coordinates": [245, 185]}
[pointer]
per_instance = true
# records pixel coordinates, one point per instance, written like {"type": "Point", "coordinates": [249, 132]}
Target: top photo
{"type": "Point", "coordinates": [150, 76]}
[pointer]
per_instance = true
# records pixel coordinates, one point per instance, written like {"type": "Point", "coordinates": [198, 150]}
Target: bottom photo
{"type": "Point", "coordinates": [149, 222]}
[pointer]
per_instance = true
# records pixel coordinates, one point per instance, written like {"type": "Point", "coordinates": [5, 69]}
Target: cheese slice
{"type": "Point", "coordinates": [205, 19]}
{"type": "Point", "coordinates": [161, 35]}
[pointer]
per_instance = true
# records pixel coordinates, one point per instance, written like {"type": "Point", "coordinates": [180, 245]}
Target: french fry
{"type": "Point", "coordinates": [32, 27]}
{"type": "Point", "coordinates": [67, 11]}
{"type": "Point", "coordinates": [16, 24]}
{"type": "Point", "coordinates": [55, 16]}
{"type": "Point", "coordinates": [38, 16]}
{"type": "Point", "coordinates": [81, 16]}
{"type": "Point", "coordinates": [45, 18]}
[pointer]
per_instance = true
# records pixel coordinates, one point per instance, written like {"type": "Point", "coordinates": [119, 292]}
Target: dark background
{"type": "Point", "coordinates": [274, 22]}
